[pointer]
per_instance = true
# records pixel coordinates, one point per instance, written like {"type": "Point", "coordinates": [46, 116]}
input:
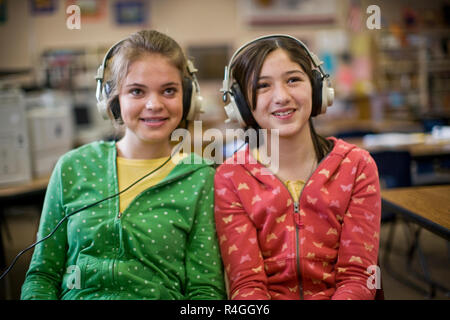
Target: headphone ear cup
{"type": "Point", "coordinates": [317, 84]}
{"type": "Point", "coordinates": [102, 105]}
{"type": "Point", "coordinates": [187, 96]}
{"type": "Point", "coordinates": [102, 109]}
{"type": "Point", "coordinates": [242, 107]}
{"type": "Point", "coordinates": [108, 88]}
{"type": "Point", "coordinates": [114, 106]}
{"type": "Point", "coordinates": [327, 95]}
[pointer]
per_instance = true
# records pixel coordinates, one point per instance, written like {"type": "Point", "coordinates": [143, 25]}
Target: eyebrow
{"type": "Point", "coordinates": [168, 84]}
{"type": "Point", "coordinates": [136, 85]}
{"type": "Point", "coordinates": [286, 73]}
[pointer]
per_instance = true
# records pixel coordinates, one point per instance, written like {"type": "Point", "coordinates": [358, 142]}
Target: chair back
{"type": "Point", "coordinates": [394, 168]}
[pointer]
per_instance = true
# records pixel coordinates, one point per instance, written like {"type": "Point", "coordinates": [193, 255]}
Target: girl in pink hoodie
{"type": "Point", "coordinates": [309, 230]}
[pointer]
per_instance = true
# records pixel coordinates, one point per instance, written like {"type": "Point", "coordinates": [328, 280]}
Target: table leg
{"type": "Point", "coordinates": [5, 286]}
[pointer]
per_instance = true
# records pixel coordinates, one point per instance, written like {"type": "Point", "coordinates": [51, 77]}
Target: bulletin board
{"type": "Point", "coordinates": [131, 12]}
{"type": "Point", "coordinates": [91, 10]}
{"type": "Point", "coordinates": [288, 12]}
{"type": "Point", "coordinates": [38, 7]}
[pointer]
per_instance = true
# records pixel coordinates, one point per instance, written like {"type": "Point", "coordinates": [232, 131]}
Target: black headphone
{"type": "Point", "coordinates": [239, 111]}
{"type": "Point", "coordinates": [192, 100]}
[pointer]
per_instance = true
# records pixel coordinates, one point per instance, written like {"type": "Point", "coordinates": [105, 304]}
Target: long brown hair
{"type": "Point", "coordinates": [247, 66]}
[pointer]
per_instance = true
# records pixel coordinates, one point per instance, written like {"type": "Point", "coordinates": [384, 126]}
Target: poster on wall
{"type": "Point", "coordinates": [3, 15]}
{"type": "Point", "coordinates": [39, 7]}
{"type": "Point", "coordinates": [131, 12]}
{"type": "Point", "coordinates": [288, 12]}
{"type": "Point", "coordinates": [91, 10]}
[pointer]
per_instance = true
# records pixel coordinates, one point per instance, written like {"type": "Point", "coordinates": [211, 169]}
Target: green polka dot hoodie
{"type": "Point", "coordinates": [163, 246]}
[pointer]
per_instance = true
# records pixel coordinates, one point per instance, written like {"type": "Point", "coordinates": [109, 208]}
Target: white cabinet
{"type": "Point", "coordinates": [15, 165]}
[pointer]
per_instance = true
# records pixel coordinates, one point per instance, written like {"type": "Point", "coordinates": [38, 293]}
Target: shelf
{"type": "Point", "coordinates": [13, 72]}
{"type": "Point", "coordinates": [415, 66]}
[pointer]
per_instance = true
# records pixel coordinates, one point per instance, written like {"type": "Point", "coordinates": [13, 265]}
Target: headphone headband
{"type": "Point", "coordinates": [101, 70]}
{"type": "Point", "coordinates": [238, 110]}
{"type": "Point", "coordinates": [191, 107]}
{"type": "Point", "coordinates": [226, 84]}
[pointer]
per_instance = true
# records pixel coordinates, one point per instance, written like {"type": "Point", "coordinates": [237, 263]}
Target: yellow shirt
{"type": "Point", "coordinates": [295, 187]}
{"type": "Point", "coordinates": [130, 170]}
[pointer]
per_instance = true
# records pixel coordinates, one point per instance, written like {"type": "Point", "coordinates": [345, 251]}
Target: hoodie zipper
{"type": "Point", "coordinates": [297, 228]}
{"type": "Point", "coordinates": [120, 214]}
{"type": "Point", "coordinates": [297, 249]}
{"type": "Point", "coordinates": [297, 237]}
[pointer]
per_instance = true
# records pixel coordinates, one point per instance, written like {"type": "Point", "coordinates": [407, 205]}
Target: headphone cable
{"type": "Point", "coordinates": [77, 211]}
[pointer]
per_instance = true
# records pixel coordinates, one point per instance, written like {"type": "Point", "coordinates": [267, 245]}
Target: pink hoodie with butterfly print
{"type": "Point", "coordinates": [317, 247]}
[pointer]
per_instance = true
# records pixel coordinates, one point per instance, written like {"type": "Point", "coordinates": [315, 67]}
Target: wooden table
{"type": "Point", "coordinates": [29, 193]}
{"type": "Point", "coordinates": [35, 185]}
{"type": "Point", "coordinates": [330, 126]}
{"type": "Point", "coordinates": [423, 148]}
{"type": "Point", "coordinates": [427, 206]}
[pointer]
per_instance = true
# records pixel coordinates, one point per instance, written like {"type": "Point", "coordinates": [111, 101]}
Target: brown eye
{"type": "Point", "coordinates": [294, 79]}
{"type": "Point", "coordinates": [136, 92]}
{"type": "Point", "coordinates": [170, 91]}
{"type": "Point", "coordinates": [262, 85]}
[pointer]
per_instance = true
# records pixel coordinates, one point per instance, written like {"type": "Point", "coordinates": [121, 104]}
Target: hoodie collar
{"type": "Point", "coordinates": [186, 163]}
{"type": "Point", "coordinates": [263, 174]}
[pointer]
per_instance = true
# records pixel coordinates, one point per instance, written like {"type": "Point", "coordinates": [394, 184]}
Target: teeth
{"type": "Point", "coordinates": [283, 113]}
{"type": "Point", "coordinates": [153, 120]}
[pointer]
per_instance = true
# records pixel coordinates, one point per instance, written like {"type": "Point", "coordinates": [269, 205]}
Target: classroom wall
{"type": "Point", "coordinates": [25, 36]}
{"type": "Point", "coordinates": [193, 22]}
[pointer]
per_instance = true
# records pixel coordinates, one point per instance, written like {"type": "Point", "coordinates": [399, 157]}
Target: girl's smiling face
{"type": "Point", "coordinates": [151, 100]}
{"type": "Point", "coordinates": [283, 95]}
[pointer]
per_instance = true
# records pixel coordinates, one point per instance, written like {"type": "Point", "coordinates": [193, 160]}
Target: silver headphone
{"type": "Point", "coordinates": [237, 109]}
{"type": "Point", "coordinates": [101, 92]}
{"type": "Point", "coordinates": [192, 99]}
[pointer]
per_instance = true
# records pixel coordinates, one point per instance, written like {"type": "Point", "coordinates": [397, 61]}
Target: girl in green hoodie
{"type": "Point", "coordinates": [156, 239]}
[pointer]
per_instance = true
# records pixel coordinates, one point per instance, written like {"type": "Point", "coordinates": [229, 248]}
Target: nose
{"type": "Point", "coordinates": [153, 104]}
{"type": "Point", "coordinates": [281, 95]}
